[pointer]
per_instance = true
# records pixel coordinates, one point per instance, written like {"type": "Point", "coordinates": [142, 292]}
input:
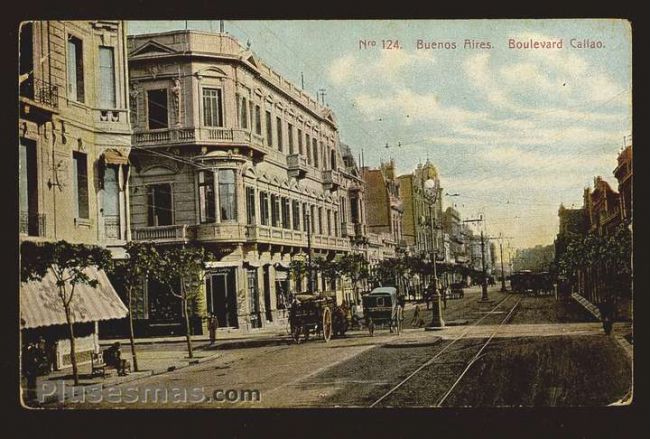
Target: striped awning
{"type": "Point", "coordinates": [40, 304]}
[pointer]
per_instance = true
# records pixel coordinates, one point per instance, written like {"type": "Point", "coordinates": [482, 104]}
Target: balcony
{"type": "Point", "coordinates": [39, 99]}
{"type": "Point", "coordinates": [220, 232]}
{"type": "Point", "coordinates": [279, 236]}
{"type": "Point", "coordinates": [217, 136]}
{"type": "Point", "coordinates": [332, 180]}
{"type": "Point", "coordinates": [31, 224]}
{"type": "Point", "coordinates": [347, 229]}
{"type": "Point", "coordinates": [163, 234]}
{"type": "Point", "coordinates": [297, 166]}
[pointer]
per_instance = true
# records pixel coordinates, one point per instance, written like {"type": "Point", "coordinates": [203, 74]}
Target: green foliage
{"type": "Point", "coordinates": [144, 260]}
{"type": "Point", "coordinates": [354, 266]}
{"type": "Point", "coordinates": [298, 269]}
{"type": "Point", "coordinates": [67, 261]}
{"type": "Point", "coordinates": [184, 266]}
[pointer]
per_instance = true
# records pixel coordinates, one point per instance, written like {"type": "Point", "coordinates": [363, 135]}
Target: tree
{"type": "Point", "coordinates": [354, 266]}
{"type": "Point", "coordinates": [67, 262]}
{"type": "Point", "coordinates": [330, 269]}
{"type": "Point", "coordinates": [143, 262]}
{"type": "Point", "coordinates": [298, 270]}
{"type": "Point", "coordinates": [181, 270]}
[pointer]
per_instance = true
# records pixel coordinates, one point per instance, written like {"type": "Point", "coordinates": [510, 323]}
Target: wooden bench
{"type": "Point", "coordinates": [98, 364]}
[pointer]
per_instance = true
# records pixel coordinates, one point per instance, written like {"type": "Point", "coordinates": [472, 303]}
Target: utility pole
{"type": "Point", "coordinates": [484, 286]}
{"type": "Point", "coordinates": [503, 274]}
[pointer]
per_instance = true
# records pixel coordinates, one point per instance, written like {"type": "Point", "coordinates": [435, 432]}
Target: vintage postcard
{"type": "Point", "coordinates": [325, 213]}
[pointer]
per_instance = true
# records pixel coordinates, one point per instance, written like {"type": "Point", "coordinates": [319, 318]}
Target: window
{"type": "Point", "coordinates": [159, 203]}
{"type": "Point", "coordinates": [26, 59]}
{"type": "Point", "coordinates": [315, 146]}
{"type": "Point", "coordinates": [111, 203]}
{"type": "Point", "coordinates": [227, 197]}
{"type": "Point", "coordinates": [250, 205]}
{"type": "Point", "coordinates": [258, 120]}
{"type": "Point", "coordinates": [305, 223]}
{"type": "Point", "coordinates": [107, 77]}
{"type": "Point", "coordinates": [278, 123]}
{"type": "Point", "coordinates": [275, 210]}
{"type": "Point", "coordinates": [300, 151]}
{"type": "Point", "coordinates": [336, 224]}
{"type": "Point", "coordinates": [307, 147]}
{"type": "Point", "coordinates": [243, 115]}
{"type": "Point", "coordinates": [320, 220]}
{"type": "Point", "coordinates": [75, 69]}
{"type": "Point", "coordinates": [344, 217]}
{"type": "Point", "coordinates": [290, 136]}
{"type": "Point", "coordinates": [354, 209]}
{"type": "Point", "coordinates": [212, 108]}
{"type": "Point", "coordinates": [264, 208]}
{"type": "Point", "coordinates": [206, 197]}
{"type": "Point", "coordinates": [286, 213]}
{"type": "Point", "coordinates": [157, 108]}
{"type": "Point", "coordinates": [28, 189]}
{"type": "Point", "coordinates": [313, 219]}
{"type": "Point", "coordinates": [333, 159]}
{"type": "Point", "coordinates": [329, 222]}
{"type": "Point", "coordinates": [80, 181]}
{"type": "Point", "coordinates": [269, 129]}
{"type": "Point", "coordinates": [295, 206]}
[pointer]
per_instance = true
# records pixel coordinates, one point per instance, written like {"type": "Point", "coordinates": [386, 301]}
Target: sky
{"type": "Point", "coordinates": [513, 132]}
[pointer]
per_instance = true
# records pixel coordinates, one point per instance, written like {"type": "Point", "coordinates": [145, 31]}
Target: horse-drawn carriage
{"type": "Point", "coordinates": [381, 307]}
{"type": "Point", "coordinates": [318, 315]}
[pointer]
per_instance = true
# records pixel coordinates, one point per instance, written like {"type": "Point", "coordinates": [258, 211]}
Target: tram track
{"type": "Point", "coordinates": [432, 361]}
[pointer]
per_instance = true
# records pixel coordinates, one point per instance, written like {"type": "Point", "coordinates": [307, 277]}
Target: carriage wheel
{"type": "Point", "coordinates": [327, 324]}
{"type": "Point", "coordinates": [371, 328]}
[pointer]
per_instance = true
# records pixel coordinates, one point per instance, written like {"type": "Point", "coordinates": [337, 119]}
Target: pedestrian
{"type": "Point", "coordinates": [607, 315]}
{"type": "Point", "coordinates": [416, 316]}
{"type": "Point", "coordinates": [212, 328]}
{"type": "Point", "coordinates": [30, 371]}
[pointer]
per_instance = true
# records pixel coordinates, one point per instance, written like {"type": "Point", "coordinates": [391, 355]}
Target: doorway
{"type": "Point", "coordinates": [222, 297]}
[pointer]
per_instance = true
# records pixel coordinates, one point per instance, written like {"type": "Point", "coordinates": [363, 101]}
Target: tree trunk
{"type": "Point", "coordinates": [188, 337]}
{"type": "Point", "coordinates": [73, 355]}
{"type": "Point", "coordinates": [131, 334]}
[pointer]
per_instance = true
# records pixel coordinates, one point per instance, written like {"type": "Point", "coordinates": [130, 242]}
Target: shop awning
{"type": "Point", "coordinates": [40, 304]}
{"type": "Point", "coordinates": [115, 157]}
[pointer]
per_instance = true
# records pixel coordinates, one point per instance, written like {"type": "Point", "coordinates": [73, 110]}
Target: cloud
{"type": "Point", "coordinates": [388, 66]}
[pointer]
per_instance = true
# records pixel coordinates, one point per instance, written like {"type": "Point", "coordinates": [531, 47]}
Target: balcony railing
{"type": "Point", "coordinates": [32, 224]}
{"type": "Point", "coordinates": [297, 165]}
{"type": "Point", "coordinates": [173, 233]}
{"type": "Point", "coordinates": [332, 179]}
{"type": "Point", "coordinates": [112, 226]}
{"type": "Point", "coordinates": [347, 229]}
{"type": "Point", "coordinates": [204, 134]}
{"type": "Point", "coordinates": [41, 92]}
{"type": "Point", "coordinates": [280, 236]}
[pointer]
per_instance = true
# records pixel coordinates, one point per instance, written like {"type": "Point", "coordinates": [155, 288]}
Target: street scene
{"type": "Point", "coordinates": [378, 214]}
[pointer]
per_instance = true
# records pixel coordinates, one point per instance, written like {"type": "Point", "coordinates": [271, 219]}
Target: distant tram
{"type": "Point", "coordinates": [529, 282]}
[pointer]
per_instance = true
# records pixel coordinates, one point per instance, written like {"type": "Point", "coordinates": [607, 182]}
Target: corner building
{"type": "Point", "coordinates": [231, 156]}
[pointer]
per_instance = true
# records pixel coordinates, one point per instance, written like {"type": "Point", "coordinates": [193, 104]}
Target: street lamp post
{"type": "Point", "coordinates": [436, 320]}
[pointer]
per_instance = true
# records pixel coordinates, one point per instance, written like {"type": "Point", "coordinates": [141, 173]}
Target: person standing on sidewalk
{"type": "Point", "coordinates": [212, 328]}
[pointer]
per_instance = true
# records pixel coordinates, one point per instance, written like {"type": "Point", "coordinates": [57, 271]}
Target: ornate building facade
{"type": "Point", "coordinates": [232, 156]}
{"type": "Point", "coordinates": [74, 145]}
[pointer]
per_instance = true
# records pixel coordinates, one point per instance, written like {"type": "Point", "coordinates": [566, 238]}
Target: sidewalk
{"type": "Point", "coordinates": [168, 355]}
